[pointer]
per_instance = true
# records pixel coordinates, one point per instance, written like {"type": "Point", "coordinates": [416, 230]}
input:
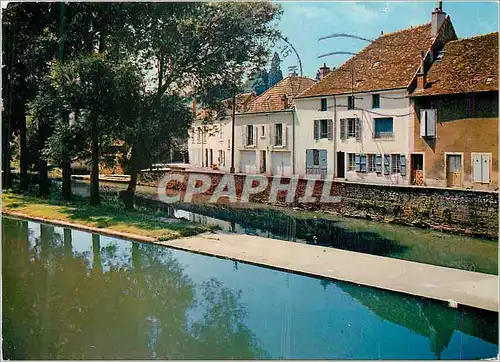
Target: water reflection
{"type": "Point", "coordinates": [58, 306]}
{"type": "Point", "coordinates": [72, 295]}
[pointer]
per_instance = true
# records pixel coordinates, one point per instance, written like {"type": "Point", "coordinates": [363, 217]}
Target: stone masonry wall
{"type": "Point", "coordinates": [462, 211]}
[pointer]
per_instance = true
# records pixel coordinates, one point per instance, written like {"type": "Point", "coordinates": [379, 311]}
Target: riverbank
{"type": "Point", "coordinates": [108, 216]}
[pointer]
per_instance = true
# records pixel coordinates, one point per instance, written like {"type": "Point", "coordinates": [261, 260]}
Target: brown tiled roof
{"type": "Point", "coordinates": [243, 101]}
{"type": "Point", "coordinates": [389, 62]}
{"type": "Point", "coordinates": [270, 100]}
{"type": "Point", "coordinates": [467, 65]}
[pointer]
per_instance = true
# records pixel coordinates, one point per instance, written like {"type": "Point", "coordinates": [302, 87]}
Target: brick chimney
{"type": "Point", "coordinates": [323, 71]}
{"type": "Point", "coordinates": [438, 17]}
{"type": "Point", "coordinates": [422, 73]}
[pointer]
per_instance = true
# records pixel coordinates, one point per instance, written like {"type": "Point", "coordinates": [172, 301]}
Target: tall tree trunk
{"type": "Point", "coordinates": [6, 177]}
{"type": "Point", "coordinates": [127, 196]}
{"type": "Point", "coordinates": [66, 168]}
{"type": "Point", "coordinates": [23, 184]}
{"type": "Point", "coordinates": [94, 175]}
{"type": "Point", "coordinates": [43, 177]}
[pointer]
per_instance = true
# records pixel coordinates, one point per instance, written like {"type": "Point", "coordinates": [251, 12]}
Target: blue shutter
{"type": "Point", "coordinates": [378, 163]}
{"type": "Point", "coordinates": [309, 161]}
{"type": "Point", "coordinates": [357, 161]}
{"type": "Point", "coordinates": [363, 163]}
{"type": "Point", "coordinates": [343, 131]}
{"type": "Point", "coordinates": [387, 164]}
{"type": "Point", "coordinates": [330, 129]}
{"type": "Point", "coordinates": [402, 167]}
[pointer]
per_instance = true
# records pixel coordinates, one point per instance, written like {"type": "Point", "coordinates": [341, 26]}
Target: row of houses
{"type": "Point", "coordinates": [418, 106]}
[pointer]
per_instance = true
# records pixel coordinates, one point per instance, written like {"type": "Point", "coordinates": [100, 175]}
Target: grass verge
{"type": "Point", "coordinates": [109, 215]}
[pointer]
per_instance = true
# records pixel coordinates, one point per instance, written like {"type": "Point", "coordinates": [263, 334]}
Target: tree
{"type": "Point", "coordinates": [191, 53]}
{"type": "Point", "coordinates": [275, 74]}
{"type": "Point", "coordinates": [260, 82]}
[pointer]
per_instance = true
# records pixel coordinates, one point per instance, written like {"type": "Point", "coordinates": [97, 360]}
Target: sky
{"type": "Point", "coordinates": [304, 22]}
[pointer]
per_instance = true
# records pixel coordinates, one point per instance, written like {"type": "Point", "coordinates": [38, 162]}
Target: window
{"type": "Point", "coordinates": [376, 101]}
{"type": "Point", "coordinates": [315, 157]}
{"type": "Point", "coordinates": [481, 167]}
{"type": "Point", "coordinates": [350, 102]}
{"type": "Point", "coordinates": [350, 127]}
{"type": "Point", "coordinates": [262, 131]}
{"type": "Point", "coordinates": [324, 104]}
{"type": "Point", "coordinates": [249, 135]}
{"type": "Point", "coordinates": [383, 127]}
{"type": "Point", "coordinates": [323, 128]}
{"type": "Point", "coordinates": [428, 123]}
{"type": "Point", "coordinates": [371, 162]}
{"type": "Point", "coordinates": [278, 141]}
{"type": "Point", "coordinates": [351, 165]}
{"type": "Point", "coordinates": [395, 163]}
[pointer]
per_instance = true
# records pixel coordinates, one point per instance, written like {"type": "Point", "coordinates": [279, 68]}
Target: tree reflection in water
{"type": "Point", "coordinates": [60, 304]}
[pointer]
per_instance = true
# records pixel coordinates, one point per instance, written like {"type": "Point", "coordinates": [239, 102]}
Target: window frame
{"type": "Point", "coordinates": [395, 163]}
{"type": "Point", "coordinates": [371, 163]}
{"type": "Point", "coordinates": [348, 126]}
{"type": "Point", "coordinates": [382, 134]}
{"type": "Point", "coordinates": [376, 104]}
{"type": "Point", "coordinates": [323, 122]}
{"type": "Point", "coordinates": [250, 130]}
{"type": "Point", "coordinates": [350, 102]}
{"type": "Point", "coordinates": [351, 162]}
{"type": "Point", "coordinates": [323, 105]}
{"type": "Point", "coordinates": [280, 127]}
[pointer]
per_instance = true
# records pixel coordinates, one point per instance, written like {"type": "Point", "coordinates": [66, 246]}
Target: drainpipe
{"type": "Point", "coordinates": [334, 137]}
{"type": "Point", "coordinates": [293, 140]}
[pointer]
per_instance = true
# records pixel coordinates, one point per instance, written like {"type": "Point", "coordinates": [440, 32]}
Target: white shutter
{"type": "Point", "coordinates": [255, 130]}
{"type": "Point", "coordinates": [285, 133]}
{"type": "Point", "coordinates": [423, 117]}
{"type": "Point", "coordinates": [476, 168]}
{"type": "Point", "coordinates": [485, 170]}
{"type": "Point", "coordinates": [431, 122]}
{"type": "Point", "coordinates": [244, 136]}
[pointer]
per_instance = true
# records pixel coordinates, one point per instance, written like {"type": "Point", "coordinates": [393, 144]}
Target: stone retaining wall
{"type": "Point", "coordinates": [463, 211]}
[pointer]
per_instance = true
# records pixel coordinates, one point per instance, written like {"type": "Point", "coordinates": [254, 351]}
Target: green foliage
{"type": "Point", "coordinates": [275, 74]}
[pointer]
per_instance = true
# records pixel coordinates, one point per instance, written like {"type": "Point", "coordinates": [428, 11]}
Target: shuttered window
{"type": "Point", "coordinates": [481, 168]}
{"type": "Point", "coordinates": [428, 120]}
{"type": "Point", "coordinates": [323, 128]}
{"type": "Point", "coordinates": [357, 162]}
{"type": "Point", "coordinates": [278, 134]}
{"type": "Point", "coordinates": [350, 128]}
{"type": "Point", "coordinates": [371, 162]}
{"type": "Point", "coordinates": [384, 127]}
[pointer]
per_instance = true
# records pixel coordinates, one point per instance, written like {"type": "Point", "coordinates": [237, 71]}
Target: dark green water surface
{"type": "Point", "coordinates": [69, 294]}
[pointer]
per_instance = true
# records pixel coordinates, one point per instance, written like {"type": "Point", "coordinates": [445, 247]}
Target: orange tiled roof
{"type": "Point", "coordinates": [242, 102]}
{"type": "Point", "coordinates": [389, 62]}
{"type": "Point", "coordinates": [467, 65]}
{"type": "Point", "coordinates": [270, 100]}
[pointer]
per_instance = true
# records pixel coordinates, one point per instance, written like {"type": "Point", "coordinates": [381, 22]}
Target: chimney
{"type": "Point", "coordinates": [284, 101]}
{"type": "Point", "coordinates": [422, 73]}
{"type": "Point", "coordinates": [323, 71]}
{"type": "Point", "coordinates": [438, 17]}
{"type": "Point", "coordinates": [292, 73]}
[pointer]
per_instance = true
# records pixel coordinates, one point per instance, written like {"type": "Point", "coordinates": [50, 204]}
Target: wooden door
{"type": "Point", "coordinates": [454, 170]}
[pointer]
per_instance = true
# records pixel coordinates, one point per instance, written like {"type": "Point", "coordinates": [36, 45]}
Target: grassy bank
{"type": "Point", "coordinates": [109, 215]}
